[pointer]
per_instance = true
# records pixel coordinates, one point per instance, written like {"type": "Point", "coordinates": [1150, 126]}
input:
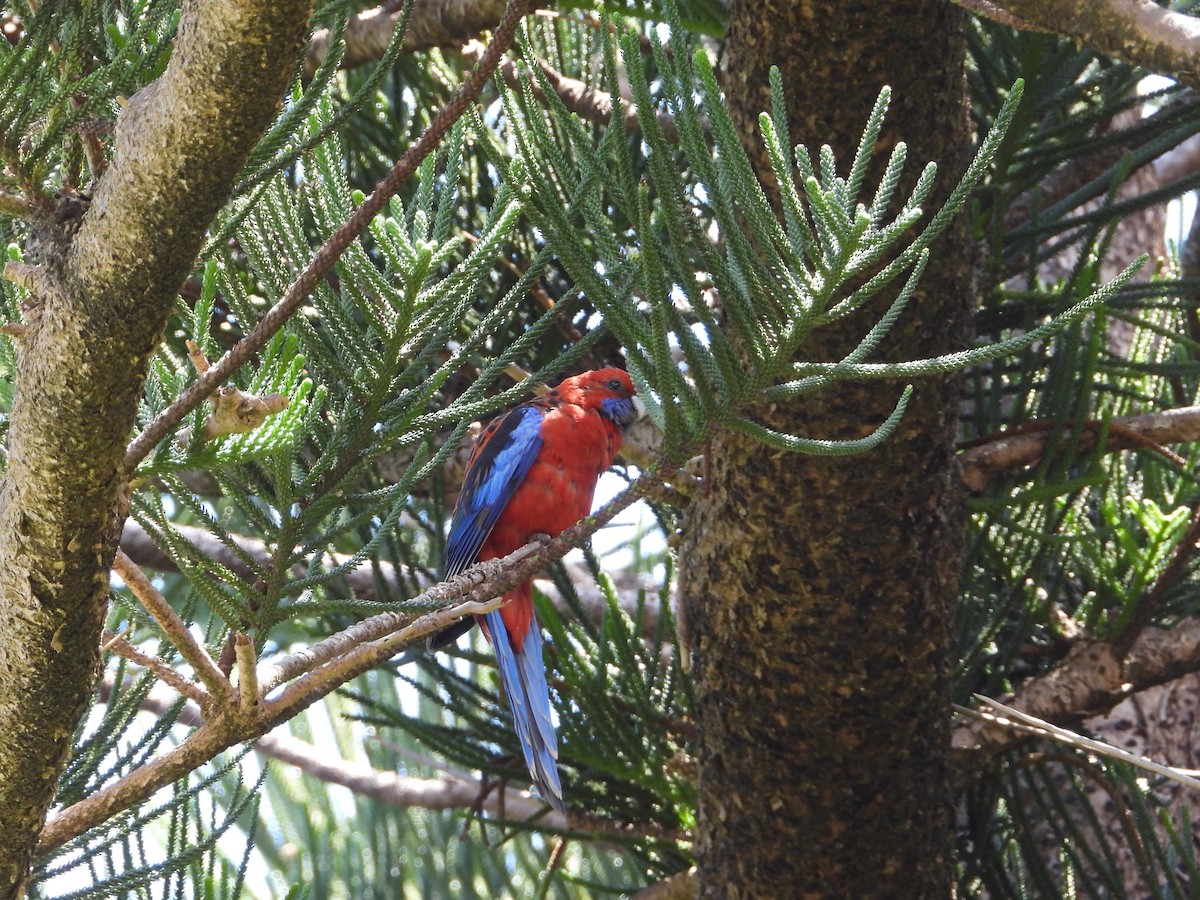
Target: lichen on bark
{"type": "Point", "coordinates": [107, 287]}
{"type": "Point", "coordinates": [819, 603]}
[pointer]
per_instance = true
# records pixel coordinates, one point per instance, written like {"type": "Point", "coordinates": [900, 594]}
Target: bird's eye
{"type": "Point", "coordinates": [614, 385]}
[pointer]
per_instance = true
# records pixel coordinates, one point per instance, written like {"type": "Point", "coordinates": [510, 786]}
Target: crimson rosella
{"type": "Point", "coordinates": [533, 471]}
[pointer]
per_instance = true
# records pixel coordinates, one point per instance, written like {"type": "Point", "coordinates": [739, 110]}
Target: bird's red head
{"type": "Point", "coordinates": [608, 391]}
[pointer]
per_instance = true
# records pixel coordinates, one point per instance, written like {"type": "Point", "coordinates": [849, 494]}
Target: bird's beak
{"type": "Point", "coordinates": [639, 407]}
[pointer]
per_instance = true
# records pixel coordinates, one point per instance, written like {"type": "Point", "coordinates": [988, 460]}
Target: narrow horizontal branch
{"type": "Point", "coordinates": [447, 792]}
{"type": "Point", "coordinates": [376, 640]}
{"type": "Point", "coordinates": [992, 11]}
{"type": "Point", "coordinates": [433, 23]}
{"type": "Point", "coordinates": [392, 625]}
{"type": "Point", "coordinates": [590, 104]}
{"type": "Point", "coordinates": [986, 458]}
{"type": "Point", "coordinates": [1138, 32]}
{"type": "Point", "coordinates": [230, 724]}
{"type": "Point", "coordinates": [1089, 680]}
{"type": "Point", "coordinates": [365, 580]}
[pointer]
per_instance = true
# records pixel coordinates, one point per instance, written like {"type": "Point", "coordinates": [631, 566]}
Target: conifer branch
{"type": "Point", "coordinates": [172, 624]}
{"type": "Point", "coordinates": [993, 711]}
{"type": "Point", "coordinates": [364, 580]}
{"type": "Point", "coordinates": [360, 647]}
{"type": "Point", "coordinates": [336, 245]}
{"type": "Point", "coordinates": [340, 646]}
{"type": "Point", "coordinates": [982, 459]}
{"type": "Point", "coordinates": [434, 23]}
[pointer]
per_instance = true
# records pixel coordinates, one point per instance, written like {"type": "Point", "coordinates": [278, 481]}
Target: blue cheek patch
{"type": "Point", "coordinates": [618, 409]}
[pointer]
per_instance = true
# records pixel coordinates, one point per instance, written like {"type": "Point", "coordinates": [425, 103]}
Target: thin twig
{"type": "Point", "coordinates": [591, 104]}
{"type": "Point", "coordinates": [557, 855]}
{"type": "Point", "coordinates": [161, 669]}
{"type": "Point", "coordinates": [1009, 716]}
{"type": "Point", "coordinates": [171, 623]}
{"type": "Point", "coordinates": [985, 457]}
{"type": "Point", "coordinates": [89, 138]}
{"type": "Point", "coordinates": [335, 246]}
{"type": "Point", "coordinates": [1089, 680]}
{"type": "Point", "coordinates": [109, 638]}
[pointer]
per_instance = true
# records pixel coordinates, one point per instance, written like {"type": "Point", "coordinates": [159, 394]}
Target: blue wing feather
{"type": "Point", "coordinates": [496, 470]}
{"type": "Point", "coordinates": [524, 678]}
{"type": "Point", "coordinates": [499, 465]}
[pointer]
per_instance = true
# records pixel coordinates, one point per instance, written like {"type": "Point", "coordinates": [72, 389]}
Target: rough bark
{"type": "Point", "coordinates": [106, 289]}
{"type": "Point", "coordinates": [820, 589]}
{"type": "Point", "coordinates": [1139, 32]}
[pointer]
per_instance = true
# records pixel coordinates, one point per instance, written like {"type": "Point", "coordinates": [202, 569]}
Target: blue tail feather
{"type": "Point", "coordinates": [524, 678]}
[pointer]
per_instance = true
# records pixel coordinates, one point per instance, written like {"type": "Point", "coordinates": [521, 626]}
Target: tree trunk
{"type": "Point", "coordinates": [820, 589]}
{"type": "Point", "coordinates": [106, 284]}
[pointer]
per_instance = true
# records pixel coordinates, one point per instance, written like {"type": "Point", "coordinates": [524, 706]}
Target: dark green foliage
{"type": "Point", "coordinates": [1077, 540]}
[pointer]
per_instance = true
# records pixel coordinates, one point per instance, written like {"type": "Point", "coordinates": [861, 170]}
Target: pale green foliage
{"type": "Point", "coordinates": [171, 842]}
